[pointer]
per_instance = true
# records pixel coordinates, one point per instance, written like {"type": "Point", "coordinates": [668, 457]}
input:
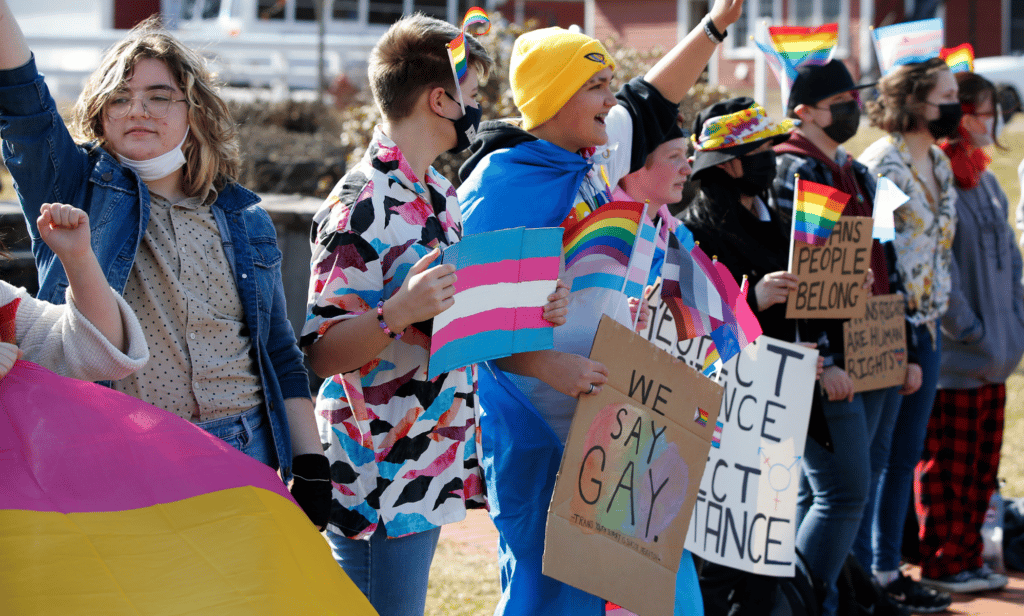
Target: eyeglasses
{"type": "Point", "coordinates": [156, 104]}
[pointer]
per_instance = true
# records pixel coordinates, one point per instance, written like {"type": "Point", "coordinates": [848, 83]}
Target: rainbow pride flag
{"type": "Point", "coordinates": [598, 249]}
{"type": "Point", "coordinates": [907, 43]}
{"type": "Point", "coordinates": [476, 16]}
{"type": "Point", "coordinates": [790, 47]}
{"type": "Point", "coordinates": [112, 506]}
{"type": "Point", "coordinates": [960, 59]}
{"type": "Point", "coordinates": [700, 416]}
{"type": "Point", "coordinates": [816, 209]}
{"type": "Point", "coordinates": [504, 280]}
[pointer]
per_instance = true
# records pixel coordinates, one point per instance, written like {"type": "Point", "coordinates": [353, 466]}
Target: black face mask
{"type": "Point", "coordinates": [465, 127]}
{"type": "Point", "coordinates": [758, 173]}
{"type": "Point", "coordinates": [948, 121]}
{"type": "Point", "coordinates": [845, 121]}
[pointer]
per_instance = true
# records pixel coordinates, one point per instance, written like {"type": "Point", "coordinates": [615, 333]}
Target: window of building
{"type": "Point", "coordinates": [1016, 26]}
{"type": "Point", "coordinates": [738, 42]}
{"type": "Point", "coordinates": [345, 10]}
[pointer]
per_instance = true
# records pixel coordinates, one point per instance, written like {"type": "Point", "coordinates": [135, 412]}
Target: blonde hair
{"type": "Point", "coordinates": [211, 148]}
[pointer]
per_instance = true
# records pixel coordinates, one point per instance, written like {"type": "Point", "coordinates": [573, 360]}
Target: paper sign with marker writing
{"type": "Point", "coordinates": [832, 276]}
{"type": "Point", "coordinates": [876, 345]}
{"type": "Point", "coordinates": [745, 511]}
{"type": "Point", "coordinates": [630, 475]}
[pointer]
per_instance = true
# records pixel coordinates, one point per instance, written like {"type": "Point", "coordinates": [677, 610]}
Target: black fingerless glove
{"type": "Point", "coordinates": [311, 488]}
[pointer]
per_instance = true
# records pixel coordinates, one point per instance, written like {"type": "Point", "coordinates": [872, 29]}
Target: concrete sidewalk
{"type": "Point", "coordinates": [477, 534]}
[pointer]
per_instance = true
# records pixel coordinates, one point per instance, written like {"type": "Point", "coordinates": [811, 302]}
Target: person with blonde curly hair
{"type": "Point", "coordinates": [152, 162]}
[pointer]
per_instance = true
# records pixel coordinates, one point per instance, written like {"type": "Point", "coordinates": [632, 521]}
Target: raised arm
{"type": "Point", "coordinates": [678, 69]}
{"type": "Point", "coordinates": [14, 50]}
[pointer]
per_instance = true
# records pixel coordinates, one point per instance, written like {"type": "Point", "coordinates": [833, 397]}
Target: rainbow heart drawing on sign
{"type": "Point", "coordinates": [900, 355]}
{"type": "Point", "coordinates": [632, 479]}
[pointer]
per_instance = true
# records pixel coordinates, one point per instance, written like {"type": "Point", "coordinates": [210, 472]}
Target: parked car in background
{"type": "Point", "coordinates": [1007, 72]}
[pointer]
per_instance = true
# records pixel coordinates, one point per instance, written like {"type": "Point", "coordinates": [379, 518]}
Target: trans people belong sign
{"type": "Point", "coordinates": [745, 512]}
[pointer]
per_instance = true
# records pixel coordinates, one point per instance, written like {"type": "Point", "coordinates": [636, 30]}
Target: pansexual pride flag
{"type": "Point", "coordinates": [790, 47]}
{"type": "Point", "coordinates": [112, 506]}
{"type": "Point", "coordinates": [816, 209]}
{"type": "Point", "coordinates": [959, 59]}
{"type": "Point", "coordinates": [907, 43]}
{"type": "Point", "coordinates": [599, 247]}
{"type": "Point", "coordinates": [504, 280]}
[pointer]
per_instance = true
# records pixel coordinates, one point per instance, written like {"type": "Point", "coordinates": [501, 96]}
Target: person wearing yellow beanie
{"type": "Point", "coordinates": [575, 141]}
{"type": "Point", "coordinates": [548, 66]}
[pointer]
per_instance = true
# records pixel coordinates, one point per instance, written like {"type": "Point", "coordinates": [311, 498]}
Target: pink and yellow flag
{"type": "Point", "coordinates": [112, 506]}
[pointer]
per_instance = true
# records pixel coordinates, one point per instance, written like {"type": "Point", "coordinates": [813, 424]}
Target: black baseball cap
{"type": "Point", "coordinates": [816, 83]}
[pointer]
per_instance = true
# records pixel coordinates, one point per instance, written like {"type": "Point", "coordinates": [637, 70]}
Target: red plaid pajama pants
{"type": "Point", "coordinates": [956, 477]}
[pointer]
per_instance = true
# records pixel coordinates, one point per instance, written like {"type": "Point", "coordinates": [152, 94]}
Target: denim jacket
{"type": "Point", "coordinates": [48, 166]}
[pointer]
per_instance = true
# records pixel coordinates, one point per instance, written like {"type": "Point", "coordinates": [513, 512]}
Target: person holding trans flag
{"type": "Point", "coordinates": [575, 141]}
{"type": "Point", "coordinates": [982, 343]}
{"type": "Point", "coordinates": [403, 447]}
{"type": "Point", "coordinates": [917, 105]}
{"type": "Point", "coordinates": [837, 482]}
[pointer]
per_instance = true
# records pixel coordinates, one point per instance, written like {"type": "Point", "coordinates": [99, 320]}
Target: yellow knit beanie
{"type": "Point", "coordinates": [548, 67]}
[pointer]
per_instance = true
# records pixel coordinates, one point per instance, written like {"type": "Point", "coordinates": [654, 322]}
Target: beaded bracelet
{"type": "Point", "coordinates": [383, 325]}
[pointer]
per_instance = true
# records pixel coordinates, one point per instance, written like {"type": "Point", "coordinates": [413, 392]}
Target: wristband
{"type": "Point", "coordinates": [383, 325]}
{"type": "Point", "coordinates": [712, 32]}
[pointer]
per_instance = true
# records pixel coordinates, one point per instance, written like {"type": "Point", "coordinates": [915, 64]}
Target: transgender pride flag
{"type": "Point", "coordinates": [907, 43]}
{"type": "Point", "coordinates": [504, 280]}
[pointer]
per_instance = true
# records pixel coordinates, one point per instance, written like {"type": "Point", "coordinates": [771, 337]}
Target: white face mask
{"type": "Point", "coordinates": [159, 167]}
{"type": "Point", "coordinates": [985, 139]}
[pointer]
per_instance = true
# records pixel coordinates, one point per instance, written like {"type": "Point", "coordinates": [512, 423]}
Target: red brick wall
{"type": "Point", "coordinates": [641, 25]}
{"type": "Point", "coordinates": [548, 12]}
{"type": "Point", "coordinates": [128, 13]}
{"type": "Point", "coordinates": [978, 22]}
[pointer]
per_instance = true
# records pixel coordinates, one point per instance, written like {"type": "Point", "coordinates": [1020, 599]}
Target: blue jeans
{"type": "Point", "coordinates": [896, 482]}
{"type": "Point", "coordinates": [392, 573]}
{"type": "Point", "coordinates": [879, 459]}
{"type": "Point", "coordinates": [835, 486]}
{"type": "Point", "coordinates": [248, 432]}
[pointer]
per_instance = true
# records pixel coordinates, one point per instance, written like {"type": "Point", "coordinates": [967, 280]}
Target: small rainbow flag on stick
{"type": "Point", "coordinates": [598, 248]}
{"type": "Point", "coordinates": [816, 209]}
{"type": "Point", "coordinates": [960, 59]}
{"type": "Point", "coordinates": [475, 16]}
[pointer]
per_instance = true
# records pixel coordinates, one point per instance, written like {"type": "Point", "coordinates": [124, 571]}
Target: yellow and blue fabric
{"type": "Point", "coordinates": [112, 506]}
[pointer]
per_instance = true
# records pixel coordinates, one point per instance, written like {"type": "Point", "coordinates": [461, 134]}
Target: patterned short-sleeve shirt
{"type": "Point", "coordinates": [924, 227]}
{"type": "Point", "coordinates": [403, 449]}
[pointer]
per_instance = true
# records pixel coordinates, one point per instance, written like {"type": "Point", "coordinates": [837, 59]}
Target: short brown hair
{"type": "Point", "coordinates": [902, 95]}
{"type": "Point", "coordinates": [211, 148]}
{"type": "Point", "coordinates": [411, 57]}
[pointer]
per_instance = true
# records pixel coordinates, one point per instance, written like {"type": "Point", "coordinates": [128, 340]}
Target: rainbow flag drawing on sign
{"type": "Point", "coordinates": [716, 438]}
{"type": "Point", "coordinates": [504, 279]}
{"type": "Point", "coordinates": [959, 59]}
{"type": "Point", "coordinates": [113, 506]}
{"type": "Point", "coordinates": [907, 43]}
{"type": "Point", "coordinates": [816, 209]}
{"type": "Point", "coordinates": [790, 47]}
{"type": "Point", "coordinates": [701, 416]}
{"type": "Point", "coordinates": [598, 248]}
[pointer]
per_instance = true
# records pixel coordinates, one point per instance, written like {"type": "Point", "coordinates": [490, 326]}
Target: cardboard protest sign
{"type": "Point", "coordinates": [630, 475]}
{"type": "Point", "coordinates": [744, 515]}
{"type": "Point", "coordinates": [832, 276]}
{"type": "Point", "coordinates": [876, 344]}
